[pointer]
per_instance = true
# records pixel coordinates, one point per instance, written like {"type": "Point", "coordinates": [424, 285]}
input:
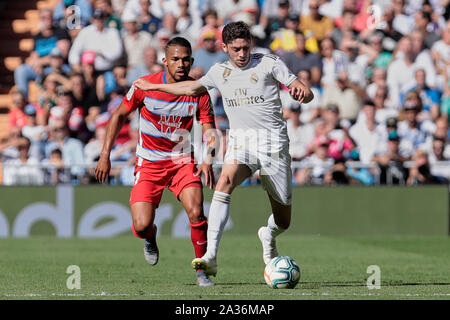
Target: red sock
{"type": "Point", "coordinates": [147, 235]}
{"type": "Point", "coordinates": [198, 237]}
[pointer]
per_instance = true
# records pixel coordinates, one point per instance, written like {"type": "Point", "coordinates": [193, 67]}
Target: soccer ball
{"type": "Point", "coordinates": [282, 273]}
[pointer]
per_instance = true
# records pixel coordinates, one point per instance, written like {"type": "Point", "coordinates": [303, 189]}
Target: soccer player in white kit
{"type": "Point", "coordinates": [250, 88]}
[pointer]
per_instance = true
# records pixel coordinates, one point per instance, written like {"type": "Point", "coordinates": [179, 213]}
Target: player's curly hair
{"type": "Point", "coordinates": [236, 30]}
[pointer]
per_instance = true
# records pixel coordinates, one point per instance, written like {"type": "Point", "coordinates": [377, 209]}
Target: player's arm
{"type": "Point", "coordinates": [182, 88]}
{"type": "Point", "coordinates": [300, 92]}
{"type": "Point", "coordinates": [209, 129]}
{"type": "Point", "coordinates": [115, 124]}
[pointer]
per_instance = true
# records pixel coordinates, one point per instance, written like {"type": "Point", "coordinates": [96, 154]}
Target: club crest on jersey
{"type": "Point", "coordinates": [169, 123]}
{"type": "Point", "coordinates": [226, 73]}
{"type": "Point", "coordinates": [254, 78]}
{"type": "Point", "coordinates": [191, 110]}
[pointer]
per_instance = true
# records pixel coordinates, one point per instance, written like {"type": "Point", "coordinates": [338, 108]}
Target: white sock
{"type": "Point", "coordinates": [274, 230]}
{"type": "Point", "coordinates": [218, 217]}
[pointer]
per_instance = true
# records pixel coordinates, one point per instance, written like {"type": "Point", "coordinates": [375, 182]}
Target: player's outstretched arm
{"type": "Point", "coordinates": [300, 92]}
{"type": "Point", "coordinates": [115, 124]}
{"type": "Point", "coordinates": [182, 88]}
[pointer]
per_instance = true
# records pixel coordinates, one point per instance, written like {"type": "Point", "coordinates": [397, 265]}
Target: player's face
{"type": "Point", "coordinates": [178, 62]}
{"type": "Point", "coordinates": [238, 51]}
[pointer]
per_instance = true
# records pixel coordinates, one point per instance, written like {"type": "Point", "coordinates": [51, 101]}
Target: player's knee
{"type": "Point", "coordinates": [225, 184]}
{"type": "Point", "coordinates": [141, 228]}
{"type": "Point", "coordinates": [196, 214]}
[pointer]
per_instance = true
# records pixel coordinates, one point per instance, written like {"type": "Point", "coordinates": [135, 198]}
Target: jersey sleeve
{"type": "Point", "coordinates": [134, 99]}
{"type": "Point", "coordinates": [208, 79]}
{"type": "Point", "coordinates": [205, 112]}
{"type": "Point", "coordinates": [282, 73]}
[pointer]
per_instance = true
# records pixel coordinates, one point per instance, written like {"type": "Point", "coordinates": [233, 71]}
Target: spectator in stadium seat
{"type": "Point", "coordinates": [16, 114]}
{"type": "Point", "coordinates": [300, 135]}
{"type": "Point", "coordinates": [285, 38]}
{"type": "Point", "coordinates": [144, 67]}
{"type": "Point", "coordinates": [207, 55]}
{"type": "Point", "coordinates": [438, 160]}
{"type": "Point", "coordinates": [441, 56]}
{"type": "Point", "coordinates": [345, 27]}
{"type": "Point", "coordinates": [303, 59]}
{"type": "Point", "coordinates": [311, 110]}
{"type": "Point", "coordinates": [147, 19]}
{"type": "Point", "coordinates": [390, 162]}
{"type": "Point", "coordinates": [340, 143]}
{"type": "Point", "coordinates": [159, 42]}
{"type": "Point", "coordinates": [9, 145]}
{"type": "Point", "coordinates": [84, 95]}
{"type": "Point", "coordinates": [226, 9]}
{"type": "Point", "coordinates": [112, 20]}
{"type": "Point", "coordinates": [37, 134]}
{"type": "Point", "coordinates": [402, 23]}
{"type": "Point", "coordinates": [420, 173]}
{"type": "Point", "coordinates": [413, 131]}
{"type": "Point", "coordinates": [430, 97]}
{"type": "Point", "coordinates": [103, 44]}
{"type": "Point", "coordinates": [345, 94]}
{"type": "Point", "coordinates": [211, 23]}
{"type": "Point", "coordinates": [317, 167]}
{"type": "Point", "coordinates": [423, 58]}
{"type": "Point", "coordinates": [356, 72]}
{"type": "Point", "coordinates": [49, 37]}
{"type": "Point", "coordinates": [274, 21]}
{"type": "Point", "coordinates": [401, 70]}
{"type": "Point", "coordinates": [72, 149]}
{"type": "Point", "coordinates": [23, 170]}
{"type": "Point", "coordinates": [333, 62]}
{"type": "Point", "coordinates": [134, 41]}
{"type": "Point", "coordinates": [57, 70]}
{"type": "Point", "coordinates": [320, 26]}
{"type": "Point", "coordinates": [382, 106]}
{"type": "Point", "coordinates": [56, 172]}
{"type": "Point", "coordinates": [84, 11]}
{"type": "Point", "coordinates": [369, 136]}
{"type": "Point", "coordinates": [422, 20]}
{"type": "Point", "coordinates": [93, 147]}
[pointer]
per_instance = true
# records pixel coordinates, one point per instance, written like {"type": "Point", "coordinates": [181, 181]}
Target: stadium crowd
{"type": "Point", "coordinates": [379, 70]}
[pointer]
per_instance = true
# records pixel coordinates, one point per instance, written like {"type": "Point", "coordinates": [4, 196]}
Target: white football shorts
{"type": "Point", "coordinates": [274, 169]}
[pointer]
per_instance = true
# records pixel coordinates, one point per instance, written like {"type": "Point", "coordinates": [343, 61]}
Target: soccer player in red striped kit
{"type": "Point", "coordinates": [163, 154]}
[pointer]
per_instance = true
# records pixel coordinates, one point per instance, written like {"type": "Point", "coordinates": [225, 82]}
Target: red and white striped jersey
{"type": "Point", "coordinates": [165, 120]}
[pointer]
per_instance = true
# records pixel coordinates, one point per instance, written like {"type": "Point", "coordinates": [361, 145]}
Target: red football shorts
{"type": "Point", "coordinates": [152, 177]}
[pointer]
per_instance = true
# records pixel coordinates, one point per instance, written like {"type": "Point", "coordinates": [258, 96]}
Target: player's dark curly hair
{"type": "Point", "coordinates": [179, 41]}
{"type": "Point", "coordinates": [236, 30]}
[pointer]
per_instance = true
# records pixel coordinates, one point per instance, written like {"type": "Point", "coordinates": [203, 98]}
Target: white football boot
{"type": "Point", "coordinates": [268, 243]}
{"type": "Point", "coordinates": [208, 266]}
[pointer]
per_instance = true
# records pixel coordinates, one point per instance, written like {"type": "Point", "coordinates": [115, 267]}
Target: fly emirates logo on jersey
{"type": "Point", "coordinates": [169, 123]}
{"type": "Point", "coordinates": [243, 98]}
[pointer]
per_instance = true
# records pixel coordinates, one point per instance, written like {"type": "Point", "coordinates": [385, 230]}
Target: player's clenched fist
{"type": "Point", "coordinates": [297, 93]}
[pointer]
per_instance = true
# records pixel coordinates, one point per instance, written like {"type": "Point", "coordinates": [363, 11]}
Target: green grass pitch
{"type": "Point", "coordinates": [332, 268]}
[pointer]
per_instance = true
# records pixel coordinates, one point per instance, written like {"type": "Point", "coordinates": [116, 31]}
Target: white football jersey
{"type": "Point", "coordinates": [251, 97]}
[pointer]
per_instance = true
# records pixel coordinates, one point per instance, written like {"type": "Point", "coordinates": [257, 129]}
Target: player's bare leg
{"type": "Point", "coordinates": [278, 222]}
{"type": "Point", "coordinates": [192, 200]}
{"type": "Point", "coordinates": [233, 174]}
{"type": "Point", "coordinates": [143, 214]}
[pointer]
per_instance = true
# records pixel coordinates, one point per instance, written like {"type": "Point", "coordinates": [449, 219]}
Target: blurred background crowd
{"type": "Point", "coordinates": [379, 70]}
